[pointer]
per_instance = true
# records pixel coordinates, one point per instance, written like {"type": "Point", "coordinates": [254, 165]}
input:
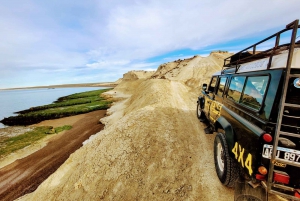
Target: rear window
{"type": "Point", "coordinates": [249, 91]}
{"type": "Point", "coordinates": [254, 91]}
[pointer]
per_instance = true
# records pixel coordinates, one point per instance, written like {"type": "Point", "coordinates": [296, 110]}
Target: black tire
{"type": "Point", "coordinates": [226, 168]}
{"type": "Point", "coordinates": [200, 113]}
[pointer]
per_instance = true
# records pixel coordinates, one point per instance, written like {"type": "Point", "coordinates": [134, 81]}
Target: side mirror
{"type": "Point", "coordinates": [204, 87]}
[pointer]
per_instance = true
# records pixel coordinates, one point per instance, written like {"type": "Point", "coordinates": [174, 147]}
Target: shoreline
{"type": "Point", "coordinates": [101, 84]}
{"type": "Point", "coordinates": [69, 102]}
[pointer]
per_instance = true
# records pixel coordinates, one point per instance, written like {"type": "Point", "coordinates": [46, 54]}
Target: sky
{"type": "Point", "coordinates": [70, 41]}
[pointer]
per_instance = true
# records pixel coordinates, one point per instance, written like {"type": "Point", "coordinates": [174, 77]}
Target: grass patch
{"type": "Point", "coordinates": [12, 144]}
{"type": "Point", "coordinates": [74, 104]}
{"type": "Point", "coordinates": [82, 95]}
{"type": "Point", "coordinates": [62, 128]}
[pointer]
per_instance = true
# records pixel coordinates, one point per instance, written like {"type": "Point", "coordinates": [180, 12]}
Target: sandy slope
{"type": "Point", "coordinates": [156, 150]}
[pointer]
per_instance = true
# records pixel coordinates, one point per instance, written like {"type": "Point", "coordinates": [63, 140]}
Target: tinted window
{"type": "Point", "coordinates": [236, 88]}
{"type": "Point", "coordinates": [254, 91]}
{"type": "Point", "coordinates": [221, 86]}
{"type": "Point", "coordinates": [212, 85]}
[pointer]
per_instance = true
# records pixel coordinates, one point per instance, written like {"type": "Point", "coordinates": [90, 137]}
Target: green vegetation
{"type": "Point", "coordinates": [12, 144]}
{"type": "Point", "coordinates": [74, 104]}
{"type": "Point", "coordinates": [62, 128]}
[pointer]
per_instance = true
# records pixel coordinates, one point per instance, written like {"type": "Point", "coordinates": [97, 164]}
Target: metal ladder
{"type": "Point", "coordinates": [279, 132]}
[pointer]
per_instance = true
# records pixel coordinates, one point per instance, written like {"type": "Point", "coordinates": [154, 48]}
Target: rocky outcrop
{"type": "Point", "coordinates": [134, 75]}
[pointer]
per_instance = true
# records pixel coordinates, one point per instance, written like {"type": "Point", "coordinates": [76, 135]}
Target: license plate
{"type": "Point", "coordinates": [286, 154]}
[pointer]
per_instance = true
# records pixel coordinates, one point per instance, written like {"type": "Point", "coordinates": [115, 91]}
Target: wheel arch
{"type": "Point", "coordinates": [222, 123]}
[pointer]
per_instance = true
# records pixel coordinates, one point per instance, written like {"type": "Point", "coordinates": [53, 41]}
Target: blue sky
{"type": "Point", "coordinates": [71, 41]}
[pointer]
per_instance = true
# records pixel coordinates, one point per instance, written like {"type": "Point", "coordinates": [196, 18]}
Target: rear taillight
{"type": "Point", "coordinates": [281, 177]}
{"type": "Point", "coordinates": [262, 170]}
{"type": "Point", "coordinates": [267, 137]}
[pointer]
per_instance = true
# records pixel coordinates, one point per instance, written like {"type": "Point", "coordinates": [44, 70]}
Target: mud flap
{"type": "Point", "coordinates": [244, 192]}
{"type": "Point", "coordinates": [203, 120]}
{"type": "Point", "coordinates": [208, 130]}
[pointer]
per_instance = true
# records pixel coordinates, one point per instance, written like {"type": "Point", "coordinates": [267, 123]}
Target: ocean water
{"type": "Point", "coordinates": [20, 99]}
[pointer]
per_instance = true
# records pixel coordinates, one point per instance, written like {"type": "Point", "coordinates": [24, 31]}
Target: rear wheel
{"type": "Point", "coordinates": [226, 168]}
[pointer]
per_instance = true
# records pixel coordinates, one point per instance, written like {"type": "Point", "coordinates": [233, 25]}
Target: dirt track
{"type": "Point", "coordinates": [25, 175]}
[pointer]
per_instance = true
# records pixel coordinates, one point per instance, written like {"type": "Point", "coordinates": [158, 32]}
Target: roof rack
{"type": "Point", "coordinates": [251, 54]}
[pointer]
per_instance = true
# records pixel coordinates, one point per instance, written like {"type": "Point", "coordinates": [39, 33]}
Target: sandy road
{"type": "Point", "coordinates": [25, 175]}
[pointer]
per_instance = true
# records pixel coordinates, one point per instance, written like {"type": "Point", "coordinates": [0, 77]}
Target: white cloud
{"type": "Point", "coordinates": [80, 37]}
{"type": "Point", "coordinates": [107, 64]}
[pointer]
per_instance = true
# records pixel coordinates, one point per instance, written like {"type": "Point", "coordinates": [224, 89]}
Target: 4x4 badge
{"type": "Point", "coordinates": [297, 82]}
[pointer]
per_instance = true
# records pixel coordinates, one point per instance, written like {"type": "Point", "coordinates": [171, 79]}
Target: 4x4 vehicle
{"type": "Point", "coordinates": [254, 106]}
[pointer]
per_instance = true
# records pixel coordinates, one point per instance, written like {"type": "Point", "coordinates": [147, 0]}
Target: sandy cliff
{"type": "Point", "coordinates": [153, 146]}
{"type": "Point", "coordinates": [192, 71]}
